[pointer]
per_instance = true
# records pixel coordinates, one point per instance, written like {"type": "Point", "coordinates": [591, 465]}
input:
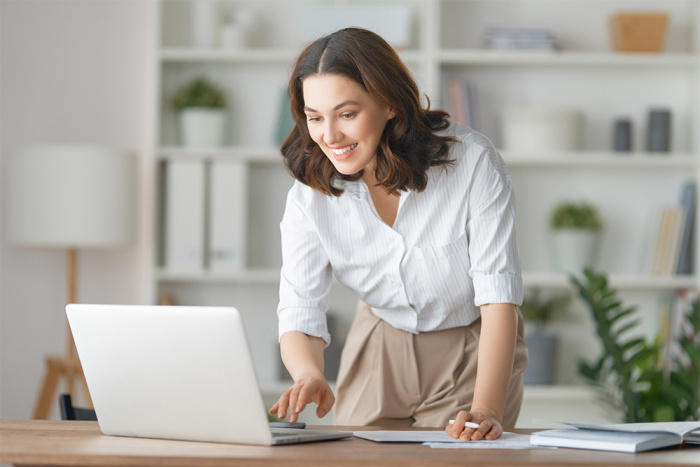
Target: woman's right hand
{"type": "Point", "coordinates": [307, 389]}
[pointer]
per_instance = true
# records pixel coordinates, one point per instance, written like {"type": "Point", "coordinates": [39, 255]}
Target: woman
{"type": "Point", "coordinates": [415, 215]}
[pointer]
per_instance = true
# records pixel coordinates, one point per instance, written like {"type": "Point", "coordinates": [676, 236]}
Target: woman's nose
{"type": "Point", "coordinates": [332, 134]}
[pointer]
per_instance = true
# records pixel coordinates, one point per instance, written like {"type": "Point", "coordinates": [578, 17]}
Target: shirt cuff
{"type": "Point", "coordinates": [309, 321]}
{"type": "Point", "coordinates": [498, 288]}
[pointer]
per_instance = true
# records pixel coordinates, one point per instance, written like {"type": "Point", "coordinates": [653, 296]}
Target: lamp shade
{"type": "Point", "coordinates": [71, 196]}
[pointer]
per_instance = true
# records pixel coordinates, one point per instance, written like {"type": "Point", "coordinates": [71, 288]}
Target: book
{"type": "Point", "coordinates": [659, 242]}
{"type": "Point", "coordinates": [626, 437]}
{"type": "Point", "coordinates": [668, 241]}
{"type": "Point", "coordinates": [461, 96]}
{"type": "Point", "coordinates": [520, 38]}
{"type": "Point", "coordinates": [671, 262]}
{"type": "Point", "coordinates": [285, 122]}
{"type": "Point", "coordinates": [688, 204]}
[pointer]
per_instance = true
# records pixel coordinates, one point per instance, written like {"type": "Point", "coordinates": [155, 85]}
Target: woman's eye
{"type": "Point", "coordinates": [348, 115]}
{"type": "Point", "coordinates": [314, 119]}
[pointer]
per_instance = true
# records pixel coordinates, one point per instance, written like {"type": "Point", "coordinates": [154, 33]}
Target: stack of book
{"type": "Point", "coordinates": [520, 38]}
{"type": "Point", "coordinates": [673, 246]}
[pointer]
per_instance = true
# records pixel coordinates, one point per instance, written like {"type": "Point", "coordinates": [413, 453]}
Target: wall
{"type": "Point", "coordinates": [71, 71]}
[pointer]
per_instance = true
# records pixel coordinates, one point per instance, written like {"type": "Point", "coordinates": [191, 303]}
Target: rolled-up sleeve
{"type": "Point", "coordinates": [493, 249]}
{"type": "Point", "coordinates": [306, 275]}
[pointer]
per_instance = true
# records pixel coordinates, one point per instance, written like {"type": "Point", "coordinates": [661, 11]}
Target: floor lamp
{"type": "Point", "coordinates": [71, 197]}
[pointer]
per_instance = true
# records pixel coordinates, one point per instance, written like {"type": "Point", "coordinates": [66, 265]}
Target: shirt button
{"type": "Point", "coordinates": [398, 284]}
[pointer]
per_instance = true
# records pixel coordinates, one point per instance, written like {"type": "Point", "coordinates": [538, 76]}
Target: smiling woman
{"type": "Point", "coordinates": [408, 143]}
{"type": "Point", "coordinates": [348, 132]}
{"type": "Point", "coordinates": [415, 215]}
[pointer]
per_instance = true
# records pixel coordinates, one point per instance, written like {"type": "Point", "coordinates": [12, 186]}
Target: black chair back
{"type": "Point", "coordinates": [68, 412]}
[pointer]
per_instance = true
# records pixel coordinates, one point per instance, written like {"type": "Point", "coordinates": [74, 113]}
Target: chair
{"type": "Point", "coordinates": [68, 412]}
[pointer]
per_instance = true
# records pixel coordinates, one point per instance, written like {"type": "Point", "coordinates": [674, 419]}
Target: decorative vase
{"type": "Point", "coordinates": [202, 127]}
{"type": "Point", "coordinates": [542, 351]}
{"type": "Point", "coordinates": [575, 249]}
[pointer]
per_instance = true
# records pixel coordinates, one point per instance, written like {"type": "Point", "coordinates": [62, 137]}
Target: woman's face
{"type": "Point", "coordinates": [344, 120]}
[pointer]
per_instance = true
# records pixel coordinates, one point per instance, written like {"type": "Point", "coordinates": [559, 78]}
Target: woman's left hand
{"type": "Point", "coordinates": [489, 426]}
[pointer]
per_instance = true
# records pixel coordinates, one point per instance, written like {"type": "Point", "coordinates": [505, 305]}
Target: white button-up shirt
{"type": "Point", "coordinates": [451, 249]}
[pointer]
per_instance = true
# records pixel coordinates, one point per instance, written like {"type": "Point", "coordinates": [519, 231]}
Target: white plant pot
{"type": "Point", "coordinates": [575, 249]}
{"type": "Point", "coordinates": [202, 127]}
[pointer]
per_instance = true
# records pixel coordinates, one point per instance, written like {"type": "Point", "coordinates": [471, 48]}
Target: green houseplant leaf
{"type": "Point", "coordinates": [200, 92]}
{"type": "Point", "coordinates": [575, 216]}
{"type": "Point", "coordinates": [629, 373]}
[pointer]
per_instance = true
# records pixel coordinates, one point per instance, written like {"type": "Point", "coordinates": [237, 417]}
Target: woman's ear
{"type": "Point", "coordinates": [390, 113]}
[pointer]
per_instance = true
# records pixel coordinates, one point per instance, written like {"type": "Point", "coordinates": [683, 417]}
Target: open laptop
{"type": "Point", "coordinates": [175, 372]}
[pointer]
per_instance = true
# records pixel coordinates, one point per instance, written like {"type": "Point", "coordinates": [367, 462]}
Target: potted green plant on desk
{"type": "Point", "coordinates": [576, 229]}
{"type": "Point", "coordinates": [201, 105]}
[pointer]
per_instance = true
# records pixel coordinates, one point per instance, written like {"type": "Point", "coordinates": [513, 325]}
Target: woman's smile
{"type": "Point", "coordinates": [343, 153]}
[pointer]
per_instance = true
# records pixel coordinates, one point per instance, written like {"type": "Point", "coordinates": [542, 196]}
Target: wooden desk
{"type": "Point", "coordinates": [36, 442]}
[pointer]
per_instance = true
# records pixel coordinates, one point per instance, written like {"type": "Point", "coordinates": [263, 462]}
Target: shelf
{"type": "Point", "coordinates": [602, 159]}
{"type": "Point", "coordinates": [249, 154]}
{"type": "Point", "coordinates": [248, 276]}
{"type": "Point", "coordinates": [620, 281]}
{"type": "Point", "coordinates": [565, 58]}
{"type": "Point", "coordinates": [530, 279]}
{"type": "Point", "coordinates": [250, 56]}
{"type": "Point", "coordinates": [262, 55]}
{"type": "Point", "coordinates": [531, 392]}
{"type": "Point", "coordinates": [557, 391]}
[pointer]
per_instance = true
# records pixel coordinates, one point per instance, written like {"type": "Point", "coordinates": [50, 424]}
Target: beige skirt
{"type": "Point", "coordinates": [390, 377]}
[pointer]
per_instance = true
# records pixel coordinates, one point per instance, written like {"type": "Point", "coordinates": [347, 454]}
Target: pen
{"type": "Point", "coordinates": [467, 424]}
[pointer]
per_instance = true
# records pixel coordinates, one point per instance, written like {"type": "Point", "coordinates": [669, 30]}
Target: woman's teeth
{"type": "Point", "coordinates": [345, 150]}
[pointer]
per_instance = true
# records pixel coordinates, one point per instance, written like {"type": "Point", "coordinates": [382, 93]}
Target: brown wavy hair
{"type": "Point", "coordinates": [409, 145]}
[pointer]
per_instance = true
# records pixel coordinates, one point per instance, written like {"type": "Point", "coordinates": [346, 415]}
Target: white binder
{"type": "Point", "coordinates": [184, 216]}
{"type": "Point", "coordinates": [228, 216]}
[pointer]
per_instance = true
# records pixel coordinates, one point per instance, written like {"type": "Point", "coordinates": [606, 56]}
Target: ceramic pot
{"type": "Point", "coordinates": [542, 350]}
{"type": "Point", "coordinates": [575, 249]}
{"type": "Point", "coordinates": [202, 127]}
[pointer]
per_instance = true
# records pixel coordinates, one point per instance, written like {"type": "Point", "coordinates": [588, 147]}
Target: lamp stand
{"type": "Point", "coordinates": [65, 366]}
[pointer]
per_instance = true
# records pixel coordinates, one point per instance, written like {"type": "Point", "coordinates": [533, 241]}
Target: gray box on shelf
{"type": "Point", "coordinates": [659, 130]}
{"type": "Point", "coordinates": [622, 136]}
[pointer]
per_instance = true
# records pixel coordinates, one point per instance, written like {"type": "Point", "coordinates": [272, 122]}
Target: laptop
{"type": "Point", "coordinates": [175, 372]}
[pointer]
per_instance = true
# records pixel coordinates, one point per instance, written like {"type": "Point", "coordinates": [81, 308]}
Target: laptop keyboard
{"type": "Point", "coordinates": [284, 432]}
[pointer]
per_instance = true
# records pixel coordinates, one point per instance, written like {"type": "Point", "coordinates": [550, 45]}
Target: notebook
{"type": "Point", "coordinates": [627, 437]}
{"type": "Point", "coordinates": [175, 372]}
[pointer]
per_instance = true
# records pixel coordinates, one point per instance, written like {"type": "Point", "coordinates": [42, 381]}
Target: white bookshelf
{"type": "Point", "coordinates": [446, 43]}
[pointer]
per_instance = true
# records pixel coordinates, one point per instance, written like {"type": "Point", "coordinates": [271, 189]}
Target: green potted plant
{"type": "Point", "coordinates": [646, 381]}
{"type": "Point", "coordinates": [576, 229]}
{"type": "Point", "coordinates": [539, 310]}
{"type": "Point", "coordinates": [200, 105]}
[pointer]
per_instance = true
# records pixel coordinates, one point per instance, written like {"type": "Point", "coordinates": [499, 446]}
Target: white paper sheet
{"type": "Point", "coordinates": [440, 439]}
{"type": "Point", "coordinates": [392, 436]}
{"type": "Point", "coordinates": [506, 441]}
